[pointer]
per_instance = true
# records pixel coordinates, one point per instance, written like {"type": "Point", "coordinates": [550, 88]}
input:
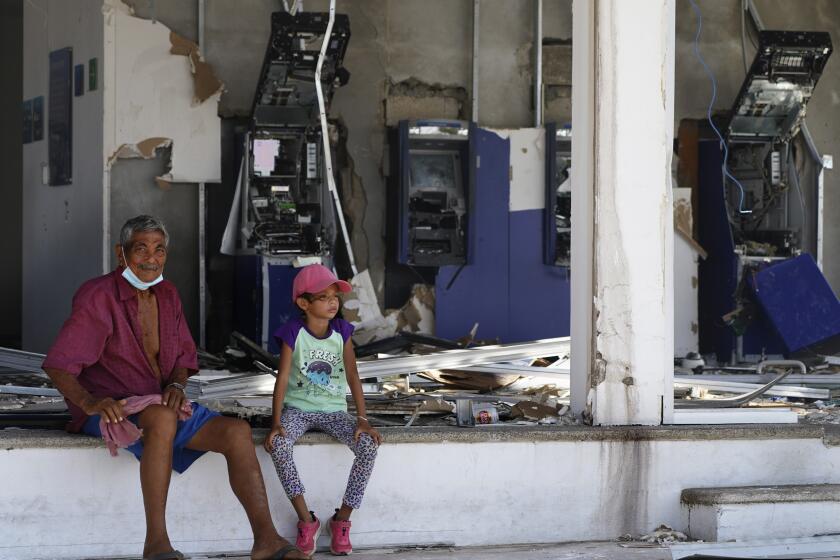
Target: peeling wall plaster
{"type": "Point", "coordinates": [159, 83]}
{"type": "Point", "coordinates": [205, 82]}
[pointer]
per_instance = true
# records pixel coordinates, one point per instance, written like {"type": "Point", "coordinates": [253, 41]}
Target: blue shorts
{"type": "Point", "coordinates": [182, 457]}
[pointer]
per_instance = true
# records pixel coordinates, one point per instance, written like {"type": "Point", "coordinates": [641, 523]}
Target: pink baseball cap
{"type": "Point", "coordinates": [314, 278]}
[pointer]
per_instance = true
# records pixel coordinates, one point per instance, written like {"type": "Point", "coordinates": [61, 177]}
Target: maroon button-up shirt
{"type": "Point", "coordinates": [102, 342]}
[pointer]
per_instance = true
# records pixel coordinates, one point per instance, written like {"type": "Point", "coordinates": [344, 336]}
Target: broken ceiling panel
{"type": "Point", "coordinates": [162, 91]}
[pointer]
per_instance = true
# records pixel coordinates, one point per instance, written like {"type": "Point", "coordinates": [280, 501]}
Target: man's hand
{"type": "Point", "coordinates": [173, 397]}
{"type": "Point", "coordinates": [276, 430]}
{"type": "Point", "coordinates": [110, 410]}
{"type": "Point", "coordinates": [364, 427]}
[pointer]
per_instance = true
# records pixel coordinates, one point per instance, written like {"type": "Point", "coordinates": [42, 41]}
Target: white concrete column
{"type": "Point", "coordinates": [622, 236]}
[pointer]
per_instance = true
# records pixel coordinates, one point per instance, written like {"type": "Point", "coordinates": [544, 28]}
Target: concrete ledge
{"type": "Point", "coordinates": [428, 487]}
{"type": "Point", "coordinates": [761, 494]}
{"type": "Point", "coordinates": [762, 512]}
{"type": "Point", "coordinates": [11, 438]}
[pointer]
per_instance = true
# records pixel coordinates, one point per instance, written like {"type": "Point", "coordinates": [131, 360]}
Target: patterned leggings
{"type": "Point", "coordinates": [339, 425]}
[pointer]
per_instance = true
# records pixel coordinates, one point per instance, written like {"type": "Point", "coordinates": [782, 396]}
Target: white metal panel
{"type": "Point", "coordinates": [527, 169]}
{"type": "Point", "coordinates": [686, 321]}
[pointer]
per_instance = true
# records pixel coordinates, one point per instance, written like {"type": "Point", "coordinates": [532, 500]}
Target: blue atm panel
{"type": "Point", "coordinates": [280, 306]}
{"type": "Point", "coordinates": [248, 296]}
{"type": "Point", "coordinates": [798, 301]}
{"type": "Point", "coordinates": [263, 298]}
{"type": "Point", "coordinates": [506, 287]}
{"type": "Point", "coordinates": [540, 305]}
{"type": "Point", "coordinates": [478, 292]}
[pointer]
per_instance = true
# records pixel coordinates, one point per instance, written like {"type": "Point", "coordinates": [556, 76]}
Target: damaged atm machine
{"type": "Point", "coordinates": [284, 215]}
{"type": "Point", "coordinates": [758, 210]}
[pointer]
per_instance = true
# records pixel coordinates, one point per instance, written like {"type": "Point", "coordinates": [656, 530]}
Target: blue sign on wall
{"type": "Point", "coordinates": [61, 117]}
{"type": "Point", "coordinates": [79, 80]}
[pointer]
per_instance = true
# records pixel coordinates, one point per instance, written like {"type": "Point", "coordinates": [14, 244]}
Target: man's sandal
{"type": "Point", "coordinates": [281, 554]}
{"type": "Point", "coordinates": [173, 555]}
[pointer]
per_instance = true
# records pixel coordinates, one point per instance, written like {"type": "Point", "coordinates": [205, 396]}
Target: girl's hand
{"type": "Point", "coordinates": [276, 430]}
{"type": "Point", "coordinates": [364, 427]}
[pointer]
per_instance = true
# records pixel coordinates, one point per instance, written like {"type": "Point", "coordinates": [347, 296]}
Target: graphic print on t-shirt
{"type": "Point", "coordinates": [320, 373]}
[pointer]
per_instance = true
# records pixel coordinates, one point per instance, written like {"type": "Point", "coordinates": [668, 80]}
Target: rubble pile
{"type": "Point", "coordinates": [663, 535]}
{"type": "Point", "coordinates": [415, 379]}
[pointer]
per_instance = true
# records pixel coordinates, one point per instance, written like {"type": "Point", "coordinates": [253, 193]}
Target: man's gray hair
{"type": "Point", "coordinates": [142, 223]}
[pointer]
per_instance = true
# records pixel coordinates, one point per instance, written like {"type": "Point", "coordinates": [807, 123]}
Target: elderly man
{"type": "Point", "coordinates": [127, 337]}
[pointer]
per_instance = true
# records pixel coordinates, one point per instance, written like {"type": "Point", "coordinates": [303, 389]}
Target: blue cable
{"type": "Point", "coordinates": [726, 172]}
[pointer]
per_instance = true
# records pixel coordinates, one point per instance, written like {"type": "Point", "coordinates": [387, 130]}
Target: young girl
{"type": "Point", "coordinates": [317, 364]}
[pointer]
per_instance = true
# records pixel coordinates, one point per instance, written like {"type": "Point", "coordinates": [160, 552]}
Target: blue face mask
{"type": "Point", "coordinates": [132, 279]}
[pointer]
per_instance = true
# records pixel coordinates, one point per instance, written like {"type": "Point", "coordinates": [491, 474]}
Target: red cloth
{"type": "Point", "coordinates": [125, 433]}
{"type": "Point", "coordinates": [102, 342]}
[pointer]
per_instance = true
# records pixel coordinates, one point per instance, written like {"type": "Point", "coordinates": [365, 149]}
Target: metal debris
{"type": "Point", "coordinates": [19, 361]}
{"type": "Point", "coordinates": [786, 365]}
{"type": "Point", "coordinates": [35, 391]}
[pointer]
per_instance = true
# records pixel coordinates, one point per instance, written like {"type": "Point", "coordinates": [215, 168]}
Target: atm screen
{"type": "Point", "coordinates": [434, 170]}
{"type": "Point", "coordinates": [265, 152]}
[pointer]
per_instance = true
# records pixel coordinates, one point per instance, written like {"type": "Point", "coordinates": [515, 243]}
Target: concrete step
{"type": "Point", "coordinates": [762, 512]}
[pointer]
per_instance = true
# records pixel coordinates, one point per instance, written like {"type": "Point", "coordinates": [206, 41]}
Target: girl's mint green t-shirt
{"type": "Point", "coordinates": [318, 381]}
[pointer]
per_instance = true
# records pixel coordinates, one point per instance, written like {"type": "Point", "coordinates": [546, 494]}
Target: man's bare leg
{"type": "Point", "coordinates": [232, 438]}
{"type": "Point", "coordinates": [158, 424]}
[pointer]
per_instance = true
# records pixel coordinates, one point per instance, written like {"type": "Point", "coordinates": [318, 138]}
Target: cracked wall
{"type": "Point", "coordinates": [632, 251]}
{"type": "Point", "coordinates": [413, 99]}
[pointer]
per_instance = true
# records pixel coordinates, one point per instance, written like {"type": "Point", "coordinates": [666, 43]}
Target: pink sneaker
{"type": "Point", "coordinates": [340, 537]}
{"type": "Point", "coordinates": [307, 537]}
